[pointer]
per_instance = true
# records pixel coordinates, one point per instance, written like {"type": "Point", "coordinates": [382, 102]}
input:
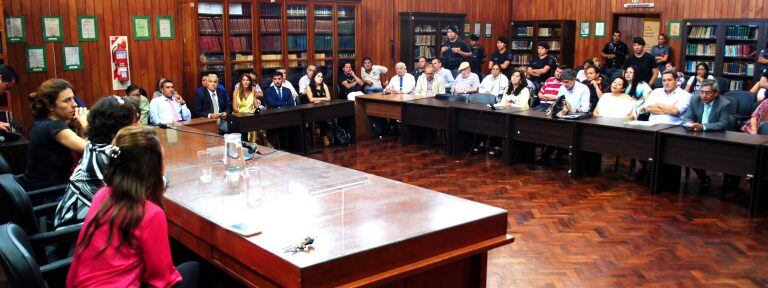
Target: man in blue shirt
{"type": "Point", "coordinates": [169, 108]}
{"type": "Point", "coordinates": [278, 96]}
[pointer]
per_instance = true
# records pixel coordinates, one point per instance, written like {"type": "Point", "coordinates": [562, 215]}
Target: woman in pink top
{"type": "Point", "coordinates": [124, 240]}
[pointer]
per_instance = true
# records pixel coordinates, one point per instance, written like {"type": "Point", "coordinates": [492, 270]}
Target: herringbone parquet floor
{"type": "Point", "coordinates": [606, 231]}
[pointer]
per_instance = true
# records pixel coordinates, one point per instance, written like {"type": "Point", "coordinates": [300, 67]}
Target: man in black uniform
{"type": "Point", "coordinates": [478, 54]}
{"type": "Point", "coordinates": [646, 64]}
{"type": "Point", "coordinates": [502, 57]}
{"type": "Point", "coordinates": [543, 66]}
{"type": "Point", "coordinates": [614, 53]}
{"type": "Point", "coordinates": [454, 51]}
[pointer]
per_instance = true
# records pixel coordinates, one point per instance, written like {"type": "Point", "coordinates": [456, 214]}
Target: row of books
{"type": "Point", "coordinates": [297, 42]}
{"type": "Point", "coordinates": [741, 32]}
{"type": "Point", "coordinates": [211, 68]}
{"type": "Point", "coordinates": [297, 25]}
{"type": "Point", "coordinates": [737, 85]}
{"type": "Point", "coordinates": [521, 44]}
{"type": "Point", "coordinates": [346, 26]}
{"type": "Point", "coordinates": [554, 45]}
{"type": "Point", "coordinates": [239, 9]}
{"type": "Point", "coordinates": [705, 32]}
{"type": "Point", "coordinates": [242, 57]}
{"type": "Point", "coordinates": [347, 55]}
{"type": "Point", "coordinates": [323, 55]}
{"type": "Point", "coordinates": [323, 42]}
{"type": "Point", "coordinates": [324, 11]}
{"type": "Point", "coordinates": [273, 65]}
{"type": "Point", "coordinates": [738, 68]}
{"type": "Point", "coordinates": [300, 55]}
{"type": "Point", "coordinates": [211, 44]}
{"type": "Point", "coordinates": [346, 12]}
{"type": "Point", "coordinates": [323, 26]}
{"type": "Point", "coordinates": [346, 42]}
{"type": "Point", "coordinates": [210, 25]}
{"type": "Point", "coordinates": [701, 49]}
{"type": "Point", "coordinates": [240, 26]}
{"type": "Point", "coordinates": [270, 10]}
{"type": "Point", "coordinates": [271, 43]}
{"type": "Point", "coordinates": [270, 25]}
{"type": "Point", "coordinates": [424, 51]}
{"type": "Point", "coordinates": [690, 66]}
{"type": "Point", "coordinates": [549, 32]}
{"type": "Point", "coordinates": [242, 66]}
{"type": "Point", "coordinates": [524, 31]}
{"type": "Point", "coordinates": [296, 10]}
{"type": "Point", "coordinates": [204, 57]}
{"type": "Point", "coordinates": [271, 57]}
{"type": "Point", "coordinates": [422, 40]}
{"type": "Point", "coordinates": [210, 8]}
{"type": "Point", "coordinates": [424, 29]}
{"type": "Point", "coordinates": [738, 50]}
{"type": "Point", "coordinates": [521, 59]}
{"type": "Point", "coordinates": [241, 43]}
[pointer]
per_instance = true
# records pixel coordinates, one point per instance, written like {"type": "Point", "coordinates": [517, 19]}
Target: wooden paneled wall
{"type": "Point", "coordinates": [149, 60]}
{"type": "Point", "coordinates": [381, 23]}
{"type": "Point", "coordinates": [603, 10]}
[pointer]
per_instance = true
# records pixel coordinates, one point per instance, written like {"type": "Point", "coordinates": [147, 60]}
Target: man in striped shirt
{"type": "Point", "coordinates": [548, 91]}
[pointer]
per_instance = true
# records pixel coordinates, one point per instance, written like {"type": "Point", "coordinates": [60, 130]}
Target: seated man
{"type": "Point", "coordinates": [7, 81]}
{"type": "Point", "coordinates": [286, 83]}
{"type": "Point", "coordinates": [277, 95]}
{"type": "Point", "coordinates": [443, 73]}
{"type": "Point", "coordinates": [708, 112]}
{"type": "Point", "coordinates": [466, 82]}
{"type": "Point", "coordinates": [548, 91]}
{"type": "Point", "coordinates": [667, 104]}
{"type": "Point", "coordinates": [211, 102]}
{"type": "Point", "coordinates": [349, 82]}
{"type": "Point", "coordinates": [168, 108]}
{"type": "Point", "coordinates": [402, 83]}
{"type": "Point", "coordinates": [428, 85]}
{"type": "Point", "coordinates": [576, 94]}
{"type": "Point", "coordinates": [420, 67]}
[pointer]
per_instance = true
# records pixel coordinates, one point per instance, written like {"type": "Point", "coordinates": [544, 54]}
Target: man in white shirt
{"type": "Point", "coordinates": [371, 75]}
{"type": "Point", "coordinates": [170, 108]}
{"type": "Point", "coordinates": [428, 85]}
{"type": "Point", "coordinates": [286, 83]}
{"type": "Point", "coordinates": [403, 82]}
{"type": "Point", "coordinates": [495, 83]}
{"type": "Point", "coordinates": [305, 80]}
{"type": "Point", "coordinates": [667, 104]}
{"type": "Point", "coordinates": [443, 73]}
{"type": "Point", "coordinates": [576, 94]}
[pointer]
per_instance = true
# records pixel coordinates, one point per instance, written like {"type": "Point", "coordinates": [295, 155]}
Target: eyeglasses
{"type": "Point", "coordinates": [707, 92]}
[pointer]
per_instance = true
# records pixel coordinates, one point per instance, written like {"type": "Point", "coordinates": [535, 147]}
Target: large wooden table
{"type": "Point", "coordinates": [369, 231]}
{"type": "Point", "coordinates": [382, 105]}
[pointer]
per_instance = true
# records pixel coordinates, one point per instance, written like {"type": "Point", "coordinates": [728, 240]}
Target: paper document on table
{"type": "Point", "coordinates": [641, 123]}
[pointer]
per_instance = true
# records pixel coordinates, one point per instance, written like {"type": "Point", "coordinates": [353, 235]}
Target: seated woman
{"type": "Point", "coordinates": [616, 104]}
{"type": "Point", "coordinates": [124, 241]}
{"type": "Point", "coordinates": [318, 92]}
{"type": "Point", "coordinates": [595, 83]}
{"type": "Point", "coordinates": [495, 83]}
{"type": "Point", "coordinates": [108, 116]}
{"type": "Point", "coordinates": [140, 96]}
{"type": "Point", "coordinates": [694, 83]}
{"type": "Point", "coordinates": [636, 88]}
{"type": "Point", "coordinates": [760, 114]}
{"type": "Point", "coordinates": [760, 88]}
{"type": "Point", "coordinates": [246, 100]}
{"type": "Point", "coordinates": [58, 131]}
{"type": "Point", "coordinates": [517, 93]}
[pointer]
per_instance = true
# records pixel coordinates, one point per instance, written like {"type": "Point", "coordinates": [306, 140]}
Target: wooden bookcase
{"type": "Point", "coordinates": [3, 44]}
{"type": "Point", "coordinates": [728, 46]}
{"type": "Point", "coordinates": [232, 37]}
{"type": "Point", "coordinates": [526, 35]}
{"type": "Point", "coordinates": [421, 34]}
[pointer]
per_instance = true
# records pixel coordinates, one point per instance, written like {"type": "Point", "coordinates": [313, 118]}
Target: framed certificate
{"type": "Point", "coordinates": [53, 29]}
{"type": "Point", "coordinates": [15, 30]}
{"type": "Point", "coordinates": [87, 28]}
{"type": "Point", "coordinates": [142, 28]}
{"type": "Point", "coordinates": [36, 61]}
{"type": "Point", "coordinates": [164, 27]}
{"type": "Point", "coordinates": [599, 28]}
{"type": "Point", "coordinates": [73, 57]}
{"type": "Point", "coordinates": [584, 29]}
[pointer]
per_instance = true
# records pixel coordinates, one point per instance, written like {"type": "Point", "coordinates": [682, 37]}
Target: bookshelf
{"type": "Point", "coordinates": [728, 46]}
{"type": "Point", "coordinates": [237, 36]}
{"type": "Point", "coordinates": [525, 36]}
{"type": "Point", "coordinates": [421, 34]}
{"type": "Point", "coordinates": [5, 100]}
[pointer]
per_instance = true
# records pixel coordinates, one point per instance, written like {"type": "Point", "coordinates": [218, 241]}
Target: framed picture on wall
{"type": "Point", "coordinates": [488, 30]}
{"type": "Point", "coordinates": [15, 31]}
{"type": "Point", "coordinates": [467, 29]}
{"type": "Point", "coordinates": [142, 28]}
{"type": "Point", "coordinates": [599, 28]}
{"type": "Point", "coordinates": [88, 28]}
{"type": "Point", "coordinates": [36, 59]}
{"type": "Point", "coordinates": [53, 29]}
{"type": "Point", "coordinates": [584, 29]}
{"type": "Point", "coordinates": [675, 26]}
{"type": "Point", "coordinates": [73, 57]}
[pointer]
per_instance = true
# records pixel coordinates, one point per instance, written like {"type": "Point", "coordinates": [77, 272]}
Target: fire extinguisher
{"type": "Point", "coordinates": [120, 57]}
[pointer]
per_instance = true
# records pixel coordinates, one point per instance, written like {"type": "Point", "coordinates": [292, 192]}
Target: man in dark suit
{"type": "Point", "coordinates": [211, 101]}
{"type": "Point", "coordinates": [278, 96]}
{"type": "Point", "coordinates": [708, 112]}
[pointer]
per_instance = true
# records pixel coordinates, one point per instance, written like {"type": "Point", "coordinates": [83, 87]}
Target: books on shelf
{"type": "Point", "coordinates": [297, 42]}
{"type": "Point", "coordinates": [521, 59]}
{"type": "Point", "coordinates": [737, 85]}
{"type": "Point", "coordinates": [242, 66]}
{"type": "Point", "coordinates": [296, 10]}
{"type": "Point", "coordinates": [690, 66]}
{"type": "Point", "coordinates": [423, 40]}
{"type": "Point", "coordinates": [424, 29]}
{"type": "Point", "coordinates": [702, 32]}
{"type": "Point", "coordinates": [744, 51]}
{"type": "Point", "coordinates": [271, 57]}
{"type": "Point", "coordinates": [211, 58]}
{"type": "Point", "coordinates": [324, 26]}
{"type": "Point", "coordinates": [741, 32]}
{"type": "Point", "coordinates": [273, 65]}
{"type": "Point", "coordinates": [345, 12]}
{"type": "Point", "coordinates": [424, 51]}
{"type": "Point", "coordinates": [524, 31]}
{"type": "Point", "coordinates": [346, 42]}
{"type": "Point", "coordinates": [549, 32]}
{"type": "Point", "coordinates": [270, 10]}
{"type": "Point", "coordinates": [739, 68]}
{"type": "Point", "coordinates": [271, 43]}
{"type": "Point", "coordinates": [321, 55]}
{"type": "Point", "coordinates": [240, 43]}
{"type": "Point", "coordinates": [209, 25]}
{"type": "Point", "coordinates": [296, 25]}
{"type": "Point", "coordinates": [210, 8]}
{"type": "Point", "coordinates": [243, 57]}
{"type": "Point", "coordinates": [554, 45]}
{"type": "Point", "coordinates": [213, 68]}
{"type": "Point", "coordinates": [325, 11]}
{"type": "Point", "coordinates": [270, 25]}
{"type": "Point", "coordinates": [240, 25]}
{"type": "Point", "coordinates": [323, 42]}
{"type": "Point", "coordinates": [701, 49]}
{"type": "Point", "coordinates": [211, 44]}
{"type": "Point", "coordinates": [346, 26]}
{"type": "Point", "coordinates": [239, 9]}
{"type": "Point", "coordinates": [347, 55]}
{"type": "Point", "coordinates": [522, 45]}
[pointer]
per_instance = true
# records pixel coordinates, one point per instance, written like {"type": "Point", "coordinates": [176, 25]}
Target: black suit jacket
{"type": "Point", "coordinates": [203, 105]}
{"type": "Point", "coordinates": [274, 100]}
{"type": "Point", "coordinates": [719, 116]}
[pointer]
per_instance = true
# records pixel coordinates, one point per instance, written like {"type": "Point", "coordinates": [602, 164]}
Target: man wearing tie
{"type": "Point", "coordinates": [402, 83]}
{"type": "Point", "coordinates": [170, 108]}
{"type": "Point", "coordinates": [278, 96]}
{"type": "Point", "coordinates": [708, 112]}
{"type": "Point", "coordinates": [212, 102]}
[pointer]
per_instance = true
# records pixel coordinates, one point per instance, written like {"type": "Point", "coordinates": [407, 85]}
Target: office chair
{"type": "Point", "coordinates": [18, 261]}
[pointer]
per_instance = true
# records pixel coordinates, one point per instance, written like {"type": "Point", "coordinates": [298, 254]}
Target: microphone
{"type": "Point", "coordinates": [251, 147]}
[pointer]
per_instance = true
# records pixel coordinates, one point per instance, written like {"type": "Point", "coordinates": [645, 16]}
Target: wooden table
{"type": "Point", "coordinates": [474, 118]}
{"type": "Point", "coordinates": [534, 127]}
{"type": "Point", "coordinates": [204, 124]}
{"type": "Point", "coordinates": [369, 231]}
{"type": "Point", "coordinates": [340, 109]}
{"type": "Point", "coordinates": [422, 115]}
{"type": "Point", "coordinates": [729, 152]}
{"type": "Point", "coordinates": [15, 152]}
{"type": "Point", "coordinates": [388, 106]}
{"type": "Point", "coordinates": [289, 120]}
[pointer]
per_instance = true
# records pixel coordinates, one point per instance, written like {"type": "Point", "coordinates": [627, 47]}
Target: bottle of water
{"type": "Point", "coordinates": [234, 160]}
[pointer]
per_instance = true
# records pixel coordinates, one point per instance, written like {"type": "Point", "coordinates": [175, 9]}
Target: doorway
{"type": "Point", "coordinates": [647, 26]}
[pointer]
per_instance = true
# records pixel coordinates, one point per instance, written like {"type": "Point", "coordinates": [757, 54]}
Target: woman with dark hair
{"type": "Point", "coordinates": [517, 93]}
{"type": "Point", "coordinates": [245, 100]}
{"type": "Point", "coordinates": [616, 104]}
{"type": "Point", "coordinates": [694, 83]}
{"type": "Point", "coordinates": [57, 132]}
{"type": "Point", "coordinates": [318, 92]}
{"type": "Point", "coordinates": [137, 93]}
{"type": "Point", "coordinates": [108, 116]}
{"type": "Point", "coordinates": [635, 88]}
{"type": "Point", "coordinates": [124, 240]}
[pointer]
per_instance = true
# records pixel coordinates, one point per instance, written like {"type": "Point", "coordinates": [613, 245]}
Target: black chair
{"type": "Point", "coordinates": [4, 166]}
{"type": "Point", "coordinates": [762, 129]}
{"type": "Point", "coordinates": [725, 84]}
{"type": "Point", "coordinates": [17, 259]}
{"type": "Point", "coordinates": [745, 102]}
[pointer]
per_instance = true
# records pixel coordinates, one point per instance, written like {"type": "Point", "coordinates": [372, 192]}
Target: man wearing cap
{"type": "Point", "coordinates": [454, 51]}
{"type": "Point", "coordinates": [478, 54]}
{"type": "Point", "coordinates": [646, 65]}
{"type": "Point", "coordinates": [502, 57]}
{"type": "Point", "coordinates": [543, 66]}
{"type": "Point", "coordinates": [466, 82]}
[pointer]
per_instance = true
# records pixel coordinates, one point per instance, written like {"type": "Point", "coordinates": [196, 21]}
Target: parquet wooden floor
{"type": "Point", "coordinates": [606, 231]}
